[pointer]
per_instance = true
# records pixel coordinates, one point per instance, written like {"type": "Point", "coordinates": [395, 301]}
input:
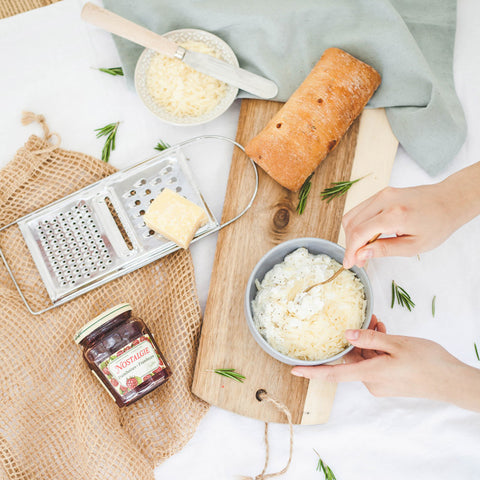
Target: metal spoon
{"type": "Point", "coordinates": [339, 271]}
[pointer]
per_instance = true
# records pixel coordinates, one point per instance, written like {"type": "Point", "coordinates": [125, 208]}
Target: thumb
{"type": "Point", "coordinates": [371, 340]}
{"type": "Point", "coordinates": [350, 372]}
{"type": "Point", "coordinates": [403, 246]}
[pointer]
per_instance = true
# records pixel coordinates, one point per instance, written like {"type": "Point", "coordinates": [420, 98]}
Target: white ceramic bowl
{"type": "Point", "coordinates": [315, 246]}
{"type": "Point", "coordinates": [180, 36]}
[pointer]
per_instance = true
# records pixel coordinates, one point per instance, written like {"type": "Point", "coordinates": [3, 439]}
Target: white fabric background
{"type": "Point", "coordinates": [47, 57]}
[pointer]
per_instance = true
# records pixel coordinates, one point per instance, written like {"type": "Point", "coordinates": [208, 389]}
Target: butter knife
{"type": "Point", "coordinates": [214, 67]}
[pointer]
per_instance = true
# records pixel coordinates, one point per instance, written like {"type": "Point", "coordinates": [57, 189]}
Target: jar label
{"type": "Point", "coordinates": [132, 365]}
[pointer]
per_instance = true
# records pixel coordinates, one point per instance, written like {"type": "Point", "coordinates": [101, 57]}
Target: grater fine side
{"type": "Point", "coordinates": [97, 234]}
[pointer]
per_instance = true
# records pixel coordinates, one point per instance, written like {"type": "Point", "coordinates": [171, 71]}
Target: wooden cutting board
{"type": "Point", "coordinates": [368, 148]}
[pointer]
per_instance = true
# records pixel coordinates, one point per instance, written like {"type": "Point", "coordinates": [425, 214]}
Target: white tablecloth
{"type": "Point", "coordinates": [47, 57]}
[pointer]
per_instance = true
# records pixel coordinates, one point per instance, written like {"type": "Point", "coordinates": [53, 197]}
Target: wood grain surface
{"type": "Point", "coordinates": [226, 341]}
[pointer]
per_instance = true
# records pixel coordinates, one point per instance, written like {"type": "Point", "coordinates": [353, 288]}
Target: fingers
{"type": "Point", "coordinates": [381, 327]}
{"type": "Point", "coordinates": [373, 323]}
{"type": "Point", "coordinates": [363, 211]}
{"type": "Point", "coordinates": [353, 356]}
{"type": "Point", "coordinates": [404, 246]}
{"type": "Point", "coordinates": [387, 222]}
{"type": "Point", "coordinates": [372, 340]}
{"type": "Point", "coordinates": [376, 324]}
{"type": "Point", "coordinates": [357, 367]}
{"type": "Point", "coordinates": [355, 239]}
{"type": "Point", "coordinates": [349, 372]}
{"type": "Point", "coordinates": [364, 352]}
{"type": "Point", "coordinates": [359, 235]}
{"type": "Point", "coordinates": [384, 213]}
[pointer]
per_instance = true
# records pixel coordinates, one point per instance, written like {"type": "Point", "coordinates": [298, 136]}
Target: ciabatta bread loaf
{"type": "Point", "coordinates": [314, 119]}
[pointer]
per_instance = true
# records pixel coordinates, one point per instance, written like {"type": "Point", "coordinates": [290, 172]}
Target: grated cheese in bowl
{"type": "Point", "coordinates": [308, 326]}
{"type": "Point", "coordinates": [180, 89]}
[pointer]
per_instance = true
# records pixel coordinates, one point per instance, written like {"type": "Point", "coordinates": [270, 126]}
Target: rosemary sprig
{"type": "Point", "coordinates": [161, 146]}
{"type": "Point", "coordinates": [337, 189]}
{"type": "Point", "coordinates": [229, 373]}
{"type": "Point", "coordinates": [402, 297]}
{"type": "Point", "coordinates": [109, 131]}
{"type": "Point", "coordinates": [433, 305]}
{"type": "Point", "coordinates": [113, 71]}
{"type": "Point", "coordinates": [303, 194]}
{"type": "Point", "coordinates": [476, 351]}
{"type": "Point", "coordinates": [321, 467]}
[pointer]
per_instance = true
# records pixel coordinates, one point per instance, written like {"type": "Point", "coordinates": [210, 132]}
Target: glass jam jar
{"type": "Point", "coordinates": [123, 355]}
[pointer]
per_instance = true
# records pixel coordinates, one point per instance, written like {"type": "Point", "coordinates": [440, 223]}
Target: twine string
{"type": "Point", "coordinates": [30, 117]}
{"type": "Point", "coordinates": [264, 396]}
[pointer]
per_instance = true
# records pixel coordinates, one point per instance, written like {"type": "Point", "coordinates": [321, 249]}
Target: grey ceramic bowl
{"type": "Point", "coordinates": [276, 255]}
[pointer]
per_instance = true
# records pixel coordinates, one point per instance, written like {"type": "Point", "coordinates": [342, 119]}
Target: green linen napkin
{"type": "Point", "coordinates": [409, 42]}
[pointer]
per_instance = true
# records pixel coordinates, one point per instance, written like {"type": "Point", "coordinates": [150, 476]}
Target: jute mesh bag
{"type": "Point", "coordinates": [56, 420]}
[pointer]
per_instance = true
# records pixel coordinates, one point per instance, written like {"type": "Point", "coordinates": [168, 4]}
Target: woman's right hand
{"type": "Point", "coordinates": [417, 219]}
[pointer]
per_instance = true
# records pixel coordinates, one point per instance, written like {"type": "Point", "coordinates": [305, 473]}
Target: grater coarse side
{"type": "Point", "coordinates": [97, 234]}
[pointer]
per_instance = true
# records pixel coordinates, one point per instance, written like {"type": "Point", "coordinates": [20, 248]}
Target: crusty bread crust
{"type": "Point", "coordinates": [314, 119]}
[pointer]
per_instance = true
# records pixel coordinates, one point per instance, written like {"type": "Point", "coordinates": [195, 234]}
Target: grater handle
{"type": "Point", "coordinates": [252, 198]}
{"type": "Point", "coordinates": [255, 171]}
{"type": "Point", "coordinates": [255, 190]}
{"type": "Point", "coordinates": [14, 280]}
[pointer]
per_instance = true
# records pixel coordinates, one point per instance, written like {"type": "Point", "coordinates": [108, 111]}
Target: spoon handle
{"type": "Point", "coordinates": [340, 270]}
{"type": "Point", "coordinates": [373, 239]}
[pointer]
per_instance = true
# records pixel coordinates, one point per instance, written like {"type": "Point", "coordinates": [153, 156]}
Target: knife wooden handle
{"type": "Point", "coordinates": [122, 27]}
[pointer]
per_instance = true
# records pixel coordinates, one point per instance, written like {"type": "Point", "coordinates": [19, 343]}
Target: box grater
{"type": "Point", "coordinates": [97, 234]}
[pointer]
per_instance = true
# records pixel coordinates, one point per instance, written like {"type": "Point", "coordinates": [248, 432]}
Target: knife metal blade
{"type": "Point", "coordinates": [238, 77]}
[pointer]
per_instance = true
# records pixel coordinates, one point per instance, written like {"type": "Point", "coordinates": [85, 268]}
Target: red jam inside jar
{"type": "Point", "coordinates": [123, 355]}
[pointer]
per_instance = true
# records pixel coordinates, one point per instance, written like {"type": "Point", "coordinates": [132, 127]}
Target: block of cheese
{"type": "Point", "coordinates": [314, 119]}
{"type": "Point", "coordinates": [175, 217]}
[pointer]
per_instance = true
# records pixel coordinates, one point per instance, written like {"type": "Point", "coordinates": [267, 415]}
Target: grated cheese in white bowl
{"type": "Point", "coordinates": [181, 90]}
{"type": "Point", "coordinates": [308, 326]}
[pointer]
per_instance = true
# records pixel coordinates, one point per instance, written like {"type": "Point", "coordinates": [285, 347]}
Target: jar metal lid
{"type": "Point", "coordinates": [100, 320]}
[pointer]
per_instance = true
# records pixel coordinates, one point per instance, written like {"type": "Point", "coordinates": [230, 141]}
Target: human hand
{"type": "Point", "coordinates": [421, 218]}
{"type": "Point", "coordinates": [358, 354]}
{"type": "Point", "coordinates": [398, 366]}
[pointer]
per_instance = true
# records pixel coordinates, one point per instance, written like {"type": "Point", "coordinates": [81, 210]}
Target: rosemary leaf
{"type": "Point", "coordinates": [303, 195]}
{"type": "Point", "coordinates": [322, 467]}
{"type": "Point", "coordinates": [337, 189]}
{"type": "Point", "coordinates": [113, 71]}
{"type": "Point", "coordinates": [402, 297]}
{"type": "Point", "coordinates": [433, 305]}
{"type": "Point", "coordinates": [230, 373]}
{"type": "Point", "coordinates": [476, 351]}
{"type": "Point", "coordinates": [109, 131]}
{"type": "Point", "coordinates": [161, 146]}
{"type": "Point", "coordinates": [393, 294]}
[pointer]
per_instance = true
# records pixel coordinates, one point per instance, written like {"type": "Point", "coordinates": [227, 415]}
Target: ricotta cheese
{"type": "Point", "coordinates": [308, 326]}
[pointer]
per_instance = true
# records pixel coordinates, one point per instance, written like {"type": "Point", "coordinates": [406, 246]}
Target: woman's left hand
{"type": "Point", "coordinates": [399, 366]}
{"type": "Point", "coordinates": [359, 354]}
